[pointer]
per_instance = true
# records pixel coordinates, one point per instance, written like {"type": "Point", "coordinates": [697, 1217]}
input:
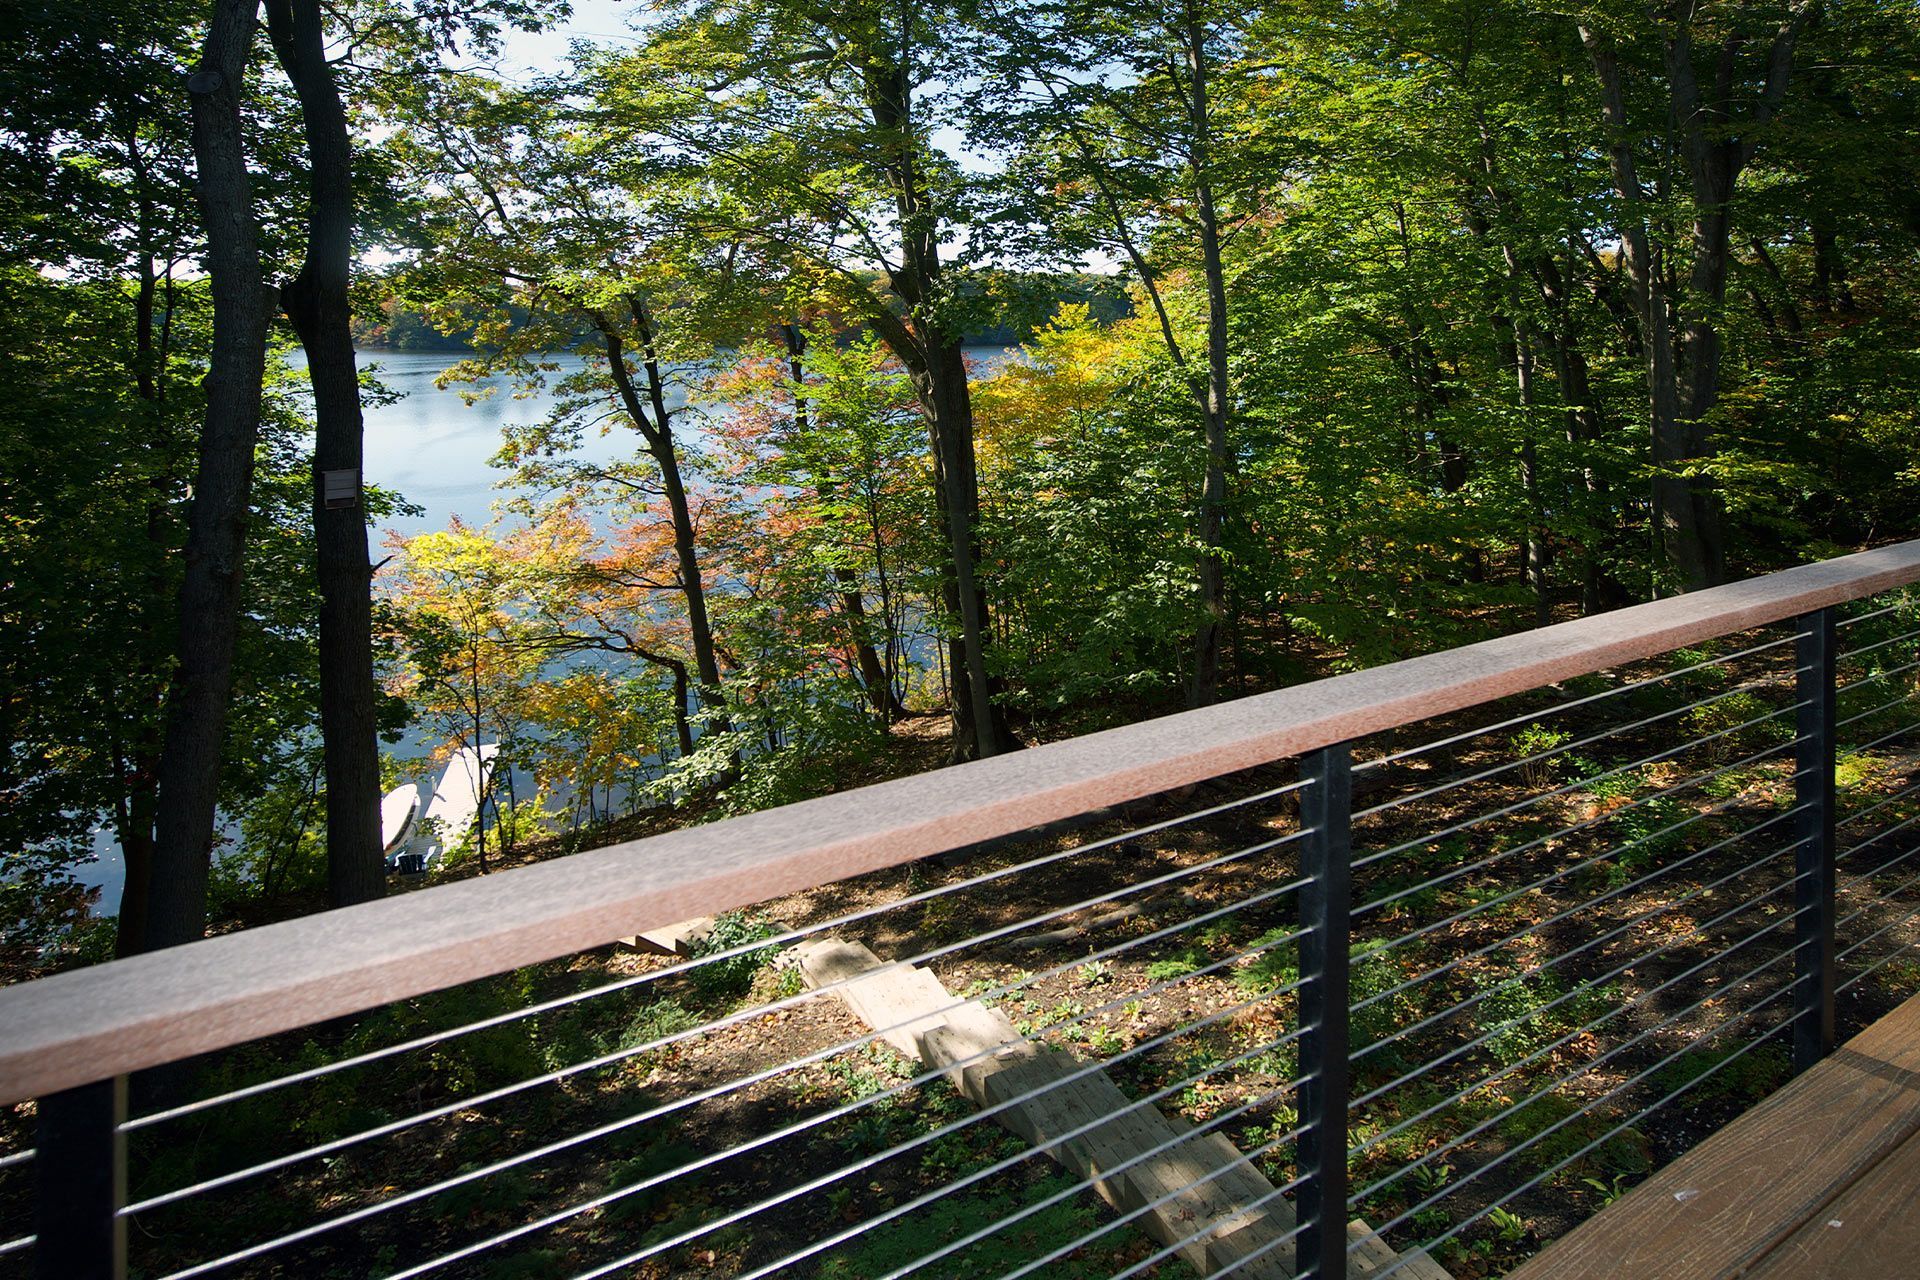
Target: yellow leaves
{"type": "Point", "coordinates": [1071, 366]}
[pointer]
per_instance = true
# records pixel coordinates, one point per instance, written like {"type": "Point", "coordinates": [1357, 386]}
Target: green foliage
{"type": "Point", "coordinates": [657, 1020]}
{"type": "Point", "coordinates": [731, 976]}
{"type": "Point", "coordinates": [1738, 1075]}
{"type": "Point", "coordinates": [1525, 1014]}
{"type": "Point", "coordinates": [1180, 964]}
{"type": "Point", "coordinates": [908, 1239]}
{"type": "Point", "coordinates": [1538, 740]}
{"type": "Point", "coordinates": [1276, 966]}
{"type": "Point", "coordinates": [1643, 832]}
{"type": "Point", "coordinates": [1745, 725]}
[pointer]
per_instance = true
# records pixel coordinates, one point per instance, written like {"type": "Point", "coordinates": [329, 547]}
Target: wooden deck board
{"type": "Point", "coordinates": [1726, 1208]}
{"type": "Point", "coordinates": [1871, 1231]}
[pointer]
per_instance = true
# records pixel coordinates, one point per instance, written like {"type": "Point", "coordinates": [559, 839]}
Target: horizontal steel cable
{"type": "Point", "coordinates": [1464, 780]}
{"type": "Point", "coordinates": [1865, 649]}
{"type": "Point", "coordinates": [1860, 878]}
{"type": "Point", "coordinates": [1642, 958]}
{"type": "Point", "coordinates": [1539, 1054]}
{"type": "Point", "coordinates": [1586, 824]}
{"type": "Point", "coordinates": [944, 1131]}
{"type": "Point", "coordinates": [1869, 842]}
{"type": "Point", "coordinates": [1875, 677]}
{"type": "Point", "coordinates": [737, 1017]}
{"type": "Point", "coordinates": [1569, 705]}
{"type": "Point", "coordinates": [1076, 1187]}
{"type": "Point", "coordinates": [1596, 860]}
{"type": "Point", "coordinates": [1082, 1240]}
{"type": "Point", "coordinates": [1586, 905]}
{"type": "Point", "coordinates": [1587, 1067]}
{"type": "Point", "coordinates": [1883, 929]}
{"type": "Point", "coordinates": [1698, 930]}
{"type": "Point", "coordinates": [773, 940]}
{"type": "Point", "coordinates": [1883, 738]}
{"type": "Point", "coordinates": [499, 1166]}
{"type": "Point", "coordinates": [1583, 785]}
{"type": "Point", "coordinates": [1378, 1232]}
{"type": "Point", "coordinates": [925, 1198]}
{"type": "Point", "coordinates": [1883, 961]}
{"type": "Point", "coordinates": [1868, 617]}
{"type": "Point", "coordinates": [1872, 712]}
{"type": "Point", "coordinates": [1512, 1152]}
{"type": "Point", "coordinates": [1868, 812]}
{"type": "Point", "coordinates": [1087, 1237]}
{"type": "Point", "coordinates": [1168, 1250]}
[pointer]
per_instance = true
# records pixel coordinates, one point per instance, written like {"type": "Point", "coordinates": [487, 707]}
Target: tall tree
{"type": "Point", "coordinates": [808, 131]}
{"type": "Point", "coordinates": [524, 219]}
{"type": "Point", "coordinates": [197, 708]}
{"type": "Point", "coordinates": [316, 301]}
{"type": "Point", "coordinates": [1138, 114]}
{"type": "Point", "coordinates": [1716, 122]}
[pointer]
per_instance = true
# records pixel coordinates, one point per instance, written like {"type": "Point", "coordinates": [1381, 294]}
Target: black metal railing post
{"type": "Point", "coordinates": [1326, 902]}
{"type": "Point", "coordinates": [1813, 964]}
{"type": "Point", "coordinates": [81, 1183]}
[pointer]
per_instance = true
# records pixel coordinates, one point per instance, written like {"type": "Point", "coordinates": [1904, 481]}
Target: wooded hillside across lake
{"type": "Point", "coordinates": [1352, 329]}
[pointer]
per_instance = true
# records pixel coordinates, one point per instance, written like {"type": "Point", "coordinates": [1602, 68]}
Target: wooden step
{"type": "Point", "coordinates": [673, 939]}
{"type": "Point", "coordinates": [1220, 1211]}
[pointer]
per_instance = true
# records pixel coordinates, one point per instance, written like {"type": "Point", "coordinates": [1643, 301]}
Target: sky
{"type": "Point", "coordinates": [602, 21]}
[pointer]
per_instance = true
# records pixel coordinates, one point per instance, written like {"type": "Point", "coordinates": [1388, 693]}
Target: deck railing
{"type": "Point", "coordinates": [1456, 947]}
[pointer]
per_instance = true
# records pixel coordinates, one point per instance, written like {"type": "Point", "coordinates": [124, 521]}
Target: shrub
{"type": "Point", "coordinates": [1537, 740]}
{"type": "Point", "coordinates": [732, 976]}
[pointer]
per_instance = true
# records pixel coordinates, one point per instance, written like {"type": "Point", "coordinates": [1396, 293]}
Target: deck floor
{"type": "Point", "coordinates": [1820, 1180]}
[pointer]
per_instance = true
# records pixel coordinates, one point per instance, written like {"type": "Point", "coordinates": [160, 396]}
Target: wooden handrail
{"type": "Point", "coordinates": [107, 1020]}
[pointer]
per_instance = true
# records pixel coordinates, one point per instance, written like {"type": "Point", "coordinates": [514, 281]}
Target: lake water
{"type": "Point", "coordinates": [432, 446]}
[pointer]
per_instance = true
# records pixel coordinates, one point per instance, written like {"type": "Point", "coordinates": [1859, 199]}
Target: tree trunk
{"type": "Point", "coordinates": [316, 302]}
{"type": "Point", "coordinates": [1212, 585]}
{"type": "Point", "coordinates": [1684, 367]}
{"type": "Point", "coordinates": [650, 416]}
{"type": "Point", "coordinates": [217, 526]}
{"type": "Point", "coordinates": [932, 351]}
{"type": "Point", "coordinates": [1690, 549]}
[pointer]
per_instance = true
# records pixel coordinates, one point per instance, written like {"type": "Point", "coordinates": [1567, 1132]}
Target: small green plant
{"type": "Point", "coordinates": [1522, 1015]}
{"type": "Point", "coordinates": [1707, 674]}
{"type": "Point", "coordinates": [1740, 724]}
{"type": "Point", "coordinates": [657, 1021]}
{"type": "Point", "coordinates": [1096, 973]}
{"type": "Point", "coordinates": [1611, 1190]}
{"type": "Point", "coordinates": [1645, 833]}
{"type": "Point", "coordinates": [1274, 967]}
{"type": "Point", "coordinates": [1536, 740]}
{"type": "Point", "coordinates": [1178, 965]}
{"type": "Point", "coordinates": [1609, 785]}
{"type": "Point", "coordinates": [1509, 1228]}
{"type": "Point", "coordinates": [732, 976]}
